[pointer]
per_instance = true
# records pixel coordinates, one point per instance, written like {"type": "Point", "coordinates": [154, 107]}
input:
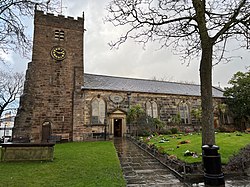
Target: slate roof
{"type": "Point", "coordinates": [103, 82]}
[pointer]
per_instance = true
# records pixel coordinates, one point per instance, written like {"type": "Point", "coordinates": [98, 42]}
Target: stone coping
{"type": "Point", "coordinates": [27, 152]}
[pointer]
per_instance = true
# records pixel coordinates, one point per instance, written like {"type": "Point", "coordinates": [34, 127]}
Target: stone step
{"type": "Point", "coordinates": [141, 169]}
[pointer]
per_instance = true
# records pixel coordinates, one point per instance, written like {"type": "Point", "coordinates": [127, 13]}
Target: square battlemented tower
{"type": "Point", "coordinates": [52, 78]}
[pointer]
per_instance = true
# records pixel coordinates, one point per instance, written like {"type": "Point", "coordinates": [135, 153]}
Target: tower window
{"type": "Point", "coordinates": [59, 35]}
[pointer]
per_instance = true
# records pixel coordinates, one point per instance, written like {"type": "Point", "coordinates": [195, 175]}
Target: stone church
{"type": "Point", "coordinates": [60, 100]}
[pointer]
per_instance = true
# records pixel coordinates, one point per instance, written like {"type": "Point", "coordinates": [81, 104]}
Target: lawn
{"type": "Point", "coordinates": [75, 164]}
{"type": "Point", "coordinates": [178, 144]}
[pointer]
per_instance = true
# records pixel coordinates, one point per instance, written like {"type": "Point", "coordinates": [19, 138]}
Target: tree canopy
{"type": "Point", "coordinates": [193, 28]}
{"type": "Point", "coordinates": [238, 95]}
{"type": "Point", "coordinates": [135, 114]}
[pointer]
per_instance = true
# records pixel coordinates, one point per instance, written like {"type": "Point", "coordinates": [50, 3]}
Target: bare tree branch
{"type": "Point", "coordinates": [11, 87]}
{"type": "Point", "coordinates": [13, 35]}
{"type": "Point", "coordinates": [193, 29]}
{"type": "Point", "coordinates": [165, 21]}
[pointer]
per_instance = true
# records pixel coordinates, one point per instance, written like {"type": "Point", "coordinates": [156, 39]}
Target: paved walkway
{"type": "Point", "coordinates": [141, 169]}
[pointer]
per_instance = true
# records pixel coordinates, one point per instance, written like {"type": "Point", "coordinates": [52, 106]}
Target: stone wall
{"type": "Point", "coordinates": [167, 107]}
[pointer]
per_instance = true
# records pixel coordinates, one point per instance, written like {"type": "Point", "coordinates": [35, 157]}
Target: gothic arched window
{"type": "Point", "coordinates": [184, 113]}
{"type": "Point", "coordinates": [152, 109]}
{"type": "Point", "coordinates": [98, 111]}
{"type": "Point", "coordinates": [148, 108]}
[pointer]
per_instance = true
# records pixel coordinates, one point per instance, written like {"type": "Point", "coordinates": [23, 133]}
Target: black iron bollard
{"type": "Point", "coordinates": [213, 175]}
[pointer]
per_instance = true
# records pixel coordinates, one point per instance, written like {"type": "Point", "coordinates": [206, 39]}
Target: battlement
{"type": "Point", "coordinates": [41, 13]}
{"type": "Point", "coordinates": [59, 21]}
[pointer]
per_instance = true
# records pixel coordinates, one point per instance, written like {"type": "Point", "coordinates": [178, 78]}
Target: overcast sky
{"type": "Point", "coordinates": [131, 60]}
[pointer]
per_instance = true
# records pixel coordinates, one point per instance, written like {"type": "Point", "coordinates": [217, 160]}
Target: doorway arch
{"type": "Point", "coordinates": [117, 124]}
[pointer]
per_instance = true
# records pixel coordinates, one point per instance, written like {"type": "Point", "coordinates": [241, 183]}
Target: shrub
{"type": "Point", "coordinates": [143, 133]}
{"type": "Point", "coordinates": [240, 161]}
{"type": "Point", "coordinates": [165, 131]}
{"type": "Point", "coordinates": [174, 130]}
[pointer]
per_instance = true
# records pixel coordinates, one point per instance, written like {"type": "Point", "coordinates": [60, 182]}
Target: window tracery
{"type": "Point", "coordinates": [98, 111]}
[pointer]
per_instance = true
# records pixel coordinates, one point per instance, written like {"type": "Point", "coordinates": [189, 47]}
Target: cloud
{"type": "Point", "coordinates": [132, 60]}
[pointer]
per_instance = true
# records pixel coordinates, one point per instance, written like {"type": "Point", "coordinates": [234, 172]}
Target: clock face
{"type": "Point", "coordinates": [58, 53]}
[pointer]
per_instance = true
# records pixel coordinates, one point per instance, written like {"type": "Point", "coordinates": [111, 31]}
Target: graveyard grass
{"type": "Point", "coordinates": [75, 164]}
{"type": "Point", "coordinates": [178, 144]}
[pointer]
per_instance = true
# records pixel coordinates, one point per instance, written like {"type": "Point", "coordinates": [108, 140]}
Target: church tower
{"type": "Point", "coordinates": [53, 78]}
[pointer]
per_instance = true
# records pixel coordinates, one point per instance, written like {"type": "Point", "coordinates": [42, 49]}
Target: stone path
{"type": "Point", "coordinates": [141, 169]}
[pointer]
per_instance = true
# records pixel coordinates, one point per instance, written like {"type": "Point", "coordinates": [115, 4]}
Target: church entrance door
{"type": "Point", "coordinates": [118, 127]}
{"type": "Point", "coordinates": [117, 124]}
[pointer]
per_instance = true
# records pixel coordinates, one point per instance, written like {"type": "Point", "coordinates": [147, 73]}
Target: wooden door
{"type": "Point", "coordinates": [46, 131]}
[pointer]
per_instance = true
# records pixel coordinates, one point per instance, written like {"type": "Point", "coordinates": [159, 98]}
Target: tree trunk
{"type": "Point", "coordinates": [207, 118]}
{"type": "Point", "coordinates": [208, 137]}
{"type": "Point", "coordinates": [2, 108]}
{"type": "Point", "coordinates": [1, 112]}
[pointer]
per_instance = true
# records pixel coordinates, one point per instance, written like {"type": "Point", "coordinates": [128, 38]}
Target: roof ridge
{"type": "Point", "coordinates": [115, 83]}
